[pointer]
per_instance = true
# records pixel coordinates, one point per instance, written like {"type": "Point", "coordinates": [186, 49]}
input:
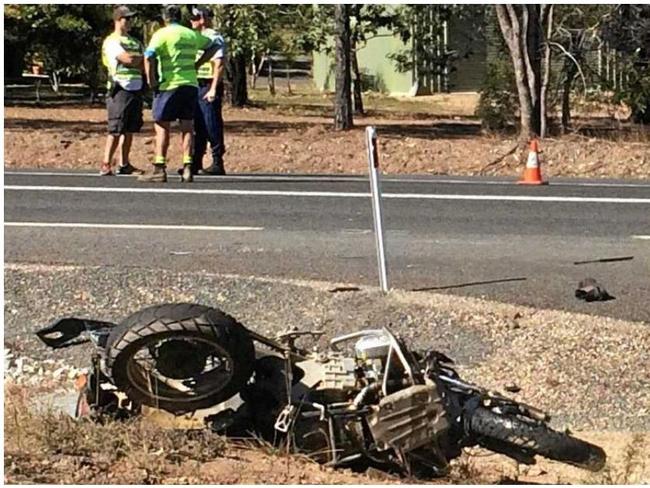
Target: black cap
{"type": "Point", "coordinates": [200, 11]}
{"type": "Point", "coordinates": [172, 12]}
{"type": "Point", "coordinates": [122, 12]}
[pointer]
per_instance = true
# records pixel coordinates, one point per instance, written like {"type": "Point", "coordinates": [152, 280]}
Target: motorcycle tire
{"type": "Point", "coordinates": [180, 322]}
{"type": "Point", "coordinates": [534, 438]}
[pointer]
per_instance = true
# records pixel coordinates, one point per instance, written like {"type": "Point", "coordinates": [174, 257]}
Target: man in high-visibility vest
{"type": "Point", "coordinates": [122, 56]}
{"type": "Point", "coordinates": [208, 120]}
{"type": "Point", "coordinates": [170, 65]}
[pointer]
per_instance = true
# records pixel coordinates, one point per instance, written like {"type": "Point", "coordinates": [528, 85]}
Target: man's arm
{"type": "Point", "coordinates": [130, 60]}
{"type": "Point", "coordinates": [151, 71]}
{"type": "Point", "coordinates": [151, 62]}
{"type": "Point", "coordinates": [210, 48]}
{"type": "Point", "coordinates": [217, 75]}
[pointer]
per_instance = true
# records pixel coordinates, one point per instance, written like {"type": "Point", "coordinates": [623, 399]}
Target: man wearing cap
{"type": "Point", "coordinates": [208, 120]}
{"type": "Point", "coordinates": [170, 65]}
{"type": "Point", "coordinates": [122, 56]}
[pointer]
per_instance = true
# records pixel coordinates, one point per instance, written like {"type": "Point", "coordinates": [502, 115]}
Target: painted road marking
{"type": "Point", "coordinates": [645, 238]}
{"type": "Point", "coordinates": [325, 194]}
{"type": "Point", "coordinates": [363, 179]}
{"type": "Point", "coordinates": [81, 225]}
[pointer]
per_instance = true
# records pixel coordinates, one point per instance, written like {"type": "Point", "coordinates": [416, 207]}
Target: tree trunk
{"type": "Point", "coordinates": [253, 72]}
{"type": "Point", "coordinates": [271, 75]}
{"type": "Point", "coordinates": [547, 19]}
{"type": "Point", "coordinates": [239, 88]}
{"type": "Point", "coordinates": [571, 72]}
{"type": "Point", "coordinates": [343, 98]}
{"type": "Point", "coordinates": [358, 97]}
{"type": "Point", "coordinates": [289, 90]}
{"type": "Point", "coordinates": [521, 26]}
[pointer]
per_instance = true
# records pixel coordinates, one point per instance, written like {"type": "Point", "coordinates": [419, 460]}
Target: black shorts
{"type": "Point", "coordinates": [124, 112]}
{"type": "Point", "coordinates": [176, 104]}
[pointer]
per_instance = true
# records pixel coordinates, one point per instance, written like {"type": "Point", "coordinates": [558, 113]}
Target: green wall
{"type": "Point", "coordinates": [377, 70]}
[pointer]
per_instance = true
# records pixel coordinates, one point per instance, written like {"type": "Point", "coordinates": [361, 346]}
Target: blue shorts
{"type": "Point", "coordinates": [177, 104]}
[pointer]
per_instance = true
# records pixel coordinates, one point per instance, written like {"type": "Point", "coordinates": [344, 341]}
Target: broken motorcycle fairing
{"type": "Point", "coordinates": [367, 400]}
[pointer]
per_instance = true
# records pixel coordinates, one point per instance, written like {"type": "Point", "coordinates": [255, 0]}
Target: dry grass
{"type": "Point", "coordinates": [51, 447]}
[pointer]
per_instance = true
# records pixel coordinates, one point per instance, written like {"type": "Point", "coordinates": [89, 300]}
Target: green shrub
{"type": "Point", "coordinates": [498, 102]}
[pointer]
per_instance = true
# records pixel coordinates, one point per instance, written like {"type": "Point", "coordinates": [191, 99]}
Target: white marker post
{"type": "Point", "coordinates": [375, 190]}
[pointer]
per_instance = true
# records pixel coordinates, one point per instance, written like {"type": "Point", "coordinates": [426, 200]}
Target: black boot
{"type": "Point", "coordinates": [216, 169]}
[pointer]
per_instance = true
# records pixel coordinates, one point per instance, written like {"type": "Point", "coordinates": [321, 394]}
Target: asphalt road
{"type": "Point", "coordinates": [476, 237]}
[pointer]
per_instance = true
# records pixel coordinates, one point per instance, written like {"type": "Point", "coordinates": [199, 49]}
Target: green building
{"type": "Point", "coordinates": [461, 40]}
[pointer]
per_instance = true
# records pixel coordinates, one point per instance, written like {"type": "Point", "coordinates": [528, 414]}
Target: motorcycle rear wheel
{"type": "Point", "coordinates": [534, 438]}
{"type": "Point", "coordinates": [180, 357]}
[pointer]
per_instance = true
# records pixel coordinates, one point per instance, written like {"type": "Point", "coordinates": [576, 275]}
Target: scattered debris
{"type": "Point", "coordinates": [512, 388]}
{"type": "Point", "coordinates": [592, 291]}
{"type": "Point", "coordinates": [605, 260]}
{"type": "Point", "coordinates": [339, 289]}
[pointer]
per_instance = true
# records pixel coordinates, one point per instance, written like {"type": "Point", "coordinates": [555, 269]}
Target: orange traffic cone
{"type": "Point", "coordinates": [532, 174]}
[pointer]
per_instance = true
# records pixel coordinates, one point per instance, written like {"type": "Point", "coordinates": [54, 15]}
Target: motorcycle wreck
{"type": "Point", "coordinates": [367, 400]}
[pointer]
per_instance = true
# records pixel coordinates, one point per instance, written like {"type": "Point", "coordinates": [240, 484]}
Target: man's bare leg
{"type": "Point", "coordinates": [109, 152]}
{"type": "Point", "coordinates": [162, 141]}
{"type": "Point", "coordinates": [162, 145]}
{"type": "Point", "coordinates": [125, 144]}
{"type": "Point", "coordinates": [187, 127]}
{"type": "Point", "coordinates": [126, 168]}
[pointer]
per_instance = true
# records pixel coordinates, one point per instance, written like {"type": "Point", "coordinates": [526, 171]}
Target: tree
{"type": "Point", "coordinates": [525, 28]}
{"type": "Point", "coordinates": [576, 38]}
{"type": "Point", "coordinates": [627, 31]}
{"type": "Point", "coordinates": [342, 100]}
{"type": "Point", "coordinates": [366, 21]}
{"type": "Point", "coordinates": [67, 38]}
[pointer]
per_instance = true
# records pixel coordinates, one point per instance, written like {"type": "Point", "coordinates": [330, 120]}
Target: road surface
{"type": "Point", "coordinates": [467, 236]}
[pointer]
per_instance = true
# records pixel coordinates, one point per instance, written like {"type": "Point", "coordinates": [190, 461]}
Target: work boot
{"type": "Point", "coordinates": [187, 176]}
{"type": "Point", "coordinates": [129, 169]}
{"type": "Point", "coordinates": [216, 169]}
{"type": "Point", "coordinates": [159, 175]}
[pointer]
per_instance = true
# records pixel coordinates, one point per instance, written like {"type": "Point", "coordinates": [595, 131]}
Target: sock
{"type": "Point", "coordinates": [160, 160]}
{"type": "Point", "coordinates": [187, 160]}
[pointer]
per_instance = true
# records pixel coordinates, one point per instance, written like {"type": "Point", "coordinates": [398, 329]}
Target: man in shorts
{"type": "Point", "coordinates": [122, 56]}
{"type": "Point", "coordinates": [170, 66]}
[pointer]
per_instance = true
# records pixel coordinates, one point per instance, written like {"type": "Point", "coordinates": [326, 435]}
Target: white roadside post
{"type": "Point", "coordinates": [375, 190]}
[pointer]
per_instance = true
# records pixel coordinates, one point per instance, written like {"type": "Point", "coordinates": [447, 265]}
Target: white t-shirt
{"type": "Point", "coordinates": [212, 34]}
{"type": "Point", "coordinates": [113, 50]}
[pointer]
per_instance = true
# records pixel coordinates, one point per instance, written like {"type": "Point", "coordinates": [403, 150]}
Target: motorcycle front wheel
{"type": "Point", "coordinates": [180, 357]}
{"type": "Point", "coordinates": [508, 431]}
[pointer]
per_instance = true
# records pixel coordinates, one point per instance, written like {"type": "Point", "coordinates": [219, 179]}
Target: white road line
{"type": "Point", "coordinates": [361, 178]}
{"type": "Point", "coordinates": [278, 193]}
{"type": "Point", "coordinates": [645, 238]}
{"type": "Point", "coordinates": [81, 225]}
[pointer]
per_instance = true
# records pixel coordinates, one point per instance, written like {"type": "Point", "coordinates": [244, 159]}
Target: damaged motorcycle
{"type": "Point", "coordinates": [367, 400]}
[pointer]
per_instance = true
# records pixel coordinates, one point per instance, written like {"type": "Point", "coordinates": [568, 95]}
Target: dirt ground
{"type": "Point", "coordinates": [48, 447]}
{"type": "Point", "coordinates": [293, 134]}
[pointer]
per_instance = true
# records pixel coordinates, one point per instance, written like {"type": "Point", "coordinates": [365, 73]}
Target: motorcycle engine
{"type": "Point", "coordinates": [371, 354]}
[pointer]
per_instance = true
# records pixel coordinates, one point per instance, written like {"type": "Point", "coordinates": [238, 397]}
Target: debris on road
{"type": "Point", "coordinates": [592, 291]}
{"type": "Point", "coordinates": [605, 260]}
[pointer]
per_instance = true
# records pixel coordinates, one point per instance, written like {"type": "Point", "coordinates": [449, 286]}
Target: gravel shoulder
{"type": "Point", "coordinates": [590, 373]}
{"type": "Point", "coordinates": [288, 139]}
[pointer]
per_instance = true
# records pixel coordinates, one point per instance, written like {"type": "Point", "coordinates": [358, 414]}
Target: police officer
{"type": "Point", "coordinates": [122, 56]}
{"type": "Point", "coordinates": [208, 120]}
{"type": "Point", "coordinates": [170, 65]}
